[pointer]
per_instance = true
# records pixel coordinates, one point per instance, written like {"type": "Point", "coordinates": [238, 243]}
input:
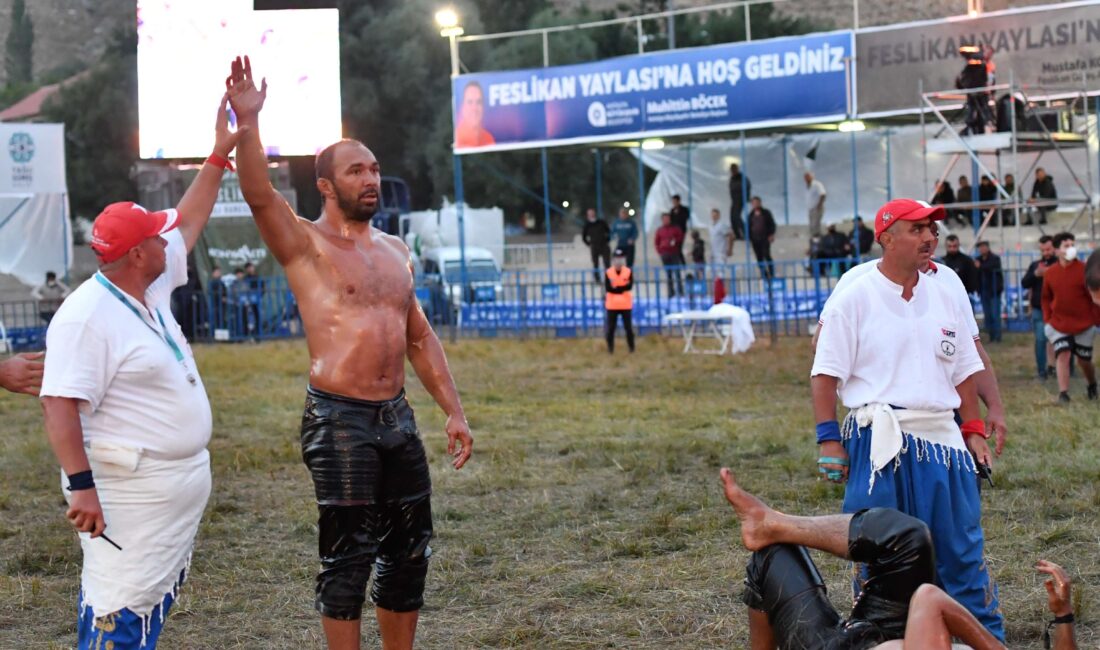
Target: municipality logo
{"type": "Point", "coordinates": [21, 147]}
{"type": "Point", "coordinates": [597, 114]}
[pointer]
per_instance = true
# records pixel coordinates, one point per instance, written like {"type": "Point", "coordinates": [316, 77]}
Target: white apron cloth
{"type": "Point", "coordinates": [152, 508]}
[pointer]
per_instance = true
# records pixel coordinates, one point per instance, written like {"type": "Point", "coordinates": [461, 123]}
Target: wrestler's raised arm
{"type": "Point", "coordinates": [280, 228]}
{"type": "Point", "coordinates": [425, 352]}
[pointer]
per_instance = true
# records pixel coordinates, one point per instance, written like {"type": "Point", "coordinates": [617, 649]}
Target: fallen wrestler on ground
{"type": "Point", "coordinates": [354, 288]}
{"type": "Point", "coordinates": [899, 607]}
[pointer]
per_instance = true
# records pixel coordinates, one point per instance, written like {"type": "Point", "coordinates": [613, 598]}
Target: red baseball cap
{"type": "Point", "coordinates": [906, 210]}
{"type": "Point", "coordinates": [122, 226]}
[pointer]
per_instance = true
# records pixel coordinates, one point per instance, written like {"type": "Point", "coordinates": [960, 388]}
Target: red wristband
{"type": "Point", "coordinates": [218, 161]}
{"type": "Point", "coordinates": [973, 428]}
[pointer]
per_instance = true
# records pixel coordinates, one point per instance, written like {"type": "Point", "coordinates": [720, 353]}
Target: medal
{"type": "Point", "coordinates": [191, 378]}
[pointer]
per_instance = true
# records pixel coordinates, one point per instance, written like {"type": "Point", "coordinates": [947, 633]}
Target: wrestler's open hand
{"type": "Point", "coordinates": [1058, 588]}
{"type": "Point", "coordinates": [980, 448]}
{"type": "Point", "coordinates": [460, 444]}
{"type": "Point", "coordinates": [246, 99]}
{"type": "Point", "coordinates": [22, 373]}
{"type": "Point", "coordinates": [225, 141]}
{"type": "Point", "coordinates": [85, 513]}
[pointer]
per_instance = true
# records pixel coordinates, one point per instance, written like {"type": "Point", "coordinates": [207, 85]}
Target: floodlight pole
{"type": "Point", "coordinates": [848, 67]}
{"type": "Point", "coordinates": [460, 216]}
{"type": "Point", "coordinates": [546, 177]}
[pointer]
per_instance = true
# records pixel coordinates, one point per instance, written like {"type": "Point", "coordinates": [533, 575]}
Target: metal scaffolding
{"type": "Point", "coordinates": [940, 111]}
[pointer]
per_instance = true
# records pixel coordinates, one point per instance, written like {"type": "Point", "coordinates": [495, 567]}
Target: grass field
{"type": "Point", "coordinates": [589, 517]}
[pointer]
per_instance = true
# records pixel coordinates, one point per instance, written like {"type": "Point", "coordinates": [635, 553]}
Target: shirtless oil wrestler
{"type": "Point", "coordinates": [354, 287]}
{"type": "Point", "coordinates": [899, 608]}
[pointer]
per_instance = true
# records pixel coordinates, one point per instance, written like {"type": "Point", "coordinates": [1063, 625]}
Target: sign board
{"type": "Point", "coordinates": [1049, 50]}
{"type": "Point", "coordinates": [550, 291]}
{"type": "Point", "coordinates": [33, 158]}
{"type": "Point", "coordinates": [695, 90]}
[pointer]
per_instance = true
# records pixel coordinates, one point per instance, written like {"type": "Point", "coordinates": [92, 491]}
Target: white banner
{"type": "Point", "coordinates": [33, 159]}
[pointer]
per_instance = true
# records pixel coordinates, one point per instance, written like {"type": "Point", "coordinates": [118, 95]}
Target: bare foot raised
{"type": "Point", "coordinates": [755, 515]}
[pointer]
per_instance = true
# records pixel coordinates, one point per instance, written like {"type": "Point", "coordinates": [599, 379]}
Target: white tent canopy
{"type": "Point", "coordinates": [35, 234]}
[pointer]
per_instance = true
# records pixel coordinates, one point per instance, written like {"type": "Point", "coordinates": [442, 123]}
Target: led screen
{"type": "Point", "coordinates": [184, 50]}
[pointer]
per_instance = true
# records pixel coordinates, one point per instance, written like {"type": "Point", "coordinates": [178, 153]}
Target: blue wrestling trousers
{"type": "Point", "coordinates": [937, 486]}
{"type": "Point", "coordinates": [121, 630]}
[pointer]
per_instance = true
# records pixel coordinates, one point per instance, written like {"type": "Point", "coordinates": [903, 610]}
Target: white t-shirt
{"type": "Point", "coordinates": [885, 350]}
{"type": "Point", "coordinates": [814, 191]}
{"type": "Point", "coordinates": [132, 389]}
{"type": "Point", "coordinates": [718, 234]}
{"type": "Point", "coordinates": [940, 272]}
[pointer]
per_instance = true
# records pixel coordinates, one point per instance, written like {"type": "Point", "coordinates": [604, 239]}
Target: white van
{"type": "Point", "coordinates": [442, 269]}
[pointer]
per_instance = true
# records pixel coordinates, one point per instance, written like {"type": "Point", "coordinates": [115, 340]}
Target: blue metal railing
{"type": "Point", "coordinates": [787, 300]}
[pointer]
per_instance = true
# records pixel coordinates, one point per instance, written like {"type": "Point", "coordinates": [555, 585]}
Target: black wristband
{"type": "Point", "coordinates": [1059, 620]}
{"type": "Point", "coordinates": [81, 481]}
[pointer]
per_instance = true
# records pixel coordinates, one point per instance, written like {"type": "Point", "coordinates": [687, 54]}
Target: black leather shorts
{"type": "Point", "coordinates": [370, 475]}
{"type": "Point", "coordinates": [783, 581]}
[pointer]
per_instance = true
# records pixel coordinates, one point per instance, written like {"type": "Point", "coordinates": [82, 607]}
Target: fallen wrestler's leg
{"type": "Point", "coordinates": [783, 581]}
{"type": "Point", "coordinates": [788, 606]}
{"type": "Point", "coordinates": [762, 526]}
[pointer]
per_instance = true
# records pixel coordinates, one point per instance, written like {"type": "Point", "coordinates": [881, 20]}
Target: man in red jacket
{"type": "Point", "coordinates": [669, 240]}
{"type": "Point", "coordinates": [1069, 315]}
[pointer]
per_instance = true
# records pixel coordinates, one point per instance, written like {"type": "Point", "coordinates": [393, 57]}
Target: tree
{"type": "Point", "coordinates": [19, 46]}
{"type": "Point", "coordinates": [100, 116]}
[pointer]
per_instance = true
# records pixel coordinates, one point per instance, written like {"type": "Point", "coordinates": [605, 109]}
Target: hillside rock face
{"type": "Point", "coordinates": [68, 31]}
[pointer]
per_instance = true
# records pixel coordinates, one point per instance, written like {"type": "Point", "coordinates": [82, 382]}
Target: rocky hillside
{"type": "Point", "coordinates": [68, 32]}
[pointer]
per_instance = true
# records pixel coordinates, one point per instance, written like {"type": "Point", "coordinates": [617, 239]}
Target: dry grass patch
{"type": "Point", "coordinates": [589, 517]}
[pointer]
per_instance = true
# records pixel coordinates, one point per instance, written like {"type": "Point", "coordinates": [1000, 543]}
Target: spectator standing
{"type": "Point", "coordinates": [619, 300]}
{"type": "Point", "coordinates": [1069, 314]}
{"type": "Point", "coordinates": [1032, 282]}
{"type": "Point", "coordinates": [669, 241]}
{"type": "Point", "coordinates": [740, 187]}
{"type": "Point", "coordinates": [597, 237]}
{"type": "Point", "coordinates": [238, 297]}
{"type": "Point", "coordinates": [961, 263]}
{"type": "Point", "coordinates": [1042, 190]}
{"type": "Point", "coordinates": [698, 251]}
{"type": "Point", "coordinates": [761, 235]}
{"type": "Point", "coordinates": [815, 203]}
{"type": "Point", "coordinates": [49, 296]}
{"type": "Point", "coordinates": [991, 285]}
{"type": "Point", "coordinates": [721, 239]}
{"type": "Point", "coordinates": [255, 296]}
{"type": "Point", "coordinates": [861, 237]}
{"type": "Point", "coordinates": [965, 194]}
{"type": "Point", "coordinates": [625, 233]}
{"type": "Point", "coordinates": [219, 298]}
{"type": "Point", "coordinates": [680, 213]}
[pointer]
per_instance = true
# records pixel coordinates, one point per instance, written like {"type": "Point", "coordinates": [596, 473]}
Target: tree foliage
{"type": "Point", "coordinates": [19, 47]}
{"type": "Point", "coordinates": [99, 111]}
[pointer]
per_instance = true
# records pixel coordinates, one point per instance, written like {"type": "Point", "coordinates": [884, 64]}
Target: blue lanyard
{"type": "Point", "coordinates": [165, 336]}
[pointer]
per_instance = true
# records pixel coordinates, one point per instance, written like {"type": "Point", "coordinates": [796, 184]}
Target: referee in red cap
{"type": "Point", "coordinates": [898, 354]}
{"type": "Point", "coordinates": [127, 415]}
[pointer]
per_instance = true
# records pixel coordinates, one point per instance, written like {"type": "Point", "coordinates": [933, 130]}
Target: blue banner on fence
{"type": "Point", "coordinates": [780, 80]}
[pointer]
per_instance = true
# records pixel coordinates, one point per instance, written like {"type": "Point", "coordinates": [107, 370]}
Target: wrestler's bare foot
{"type": "Point", "coordinates": [756, 517]}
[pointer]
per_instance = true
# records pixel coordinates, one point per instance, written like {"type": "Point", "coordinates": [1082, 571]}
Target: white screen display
{"type": "Point", "coordinates": [184, 51]}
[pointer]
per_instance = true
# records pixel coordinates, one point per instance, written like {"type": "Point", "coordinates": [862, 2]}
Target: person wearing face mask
{"type": "Point", "coordinates": [1070, 315]}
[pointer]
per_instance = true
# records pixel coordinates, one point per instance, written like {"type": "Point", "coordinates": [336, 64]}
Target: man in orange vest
{"type": "Point", "coordinates": [619, 282]}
